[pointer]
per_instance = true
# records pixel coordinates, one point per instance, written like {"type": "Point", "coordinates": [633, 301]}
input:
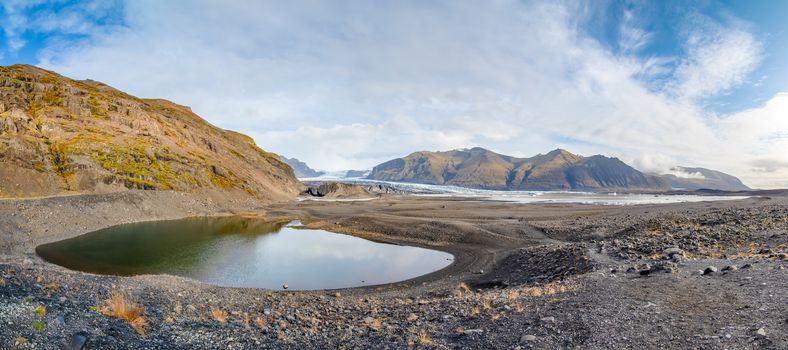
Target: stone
{"type": "Point", "coordinates": [78, 341]}
{"type": "Point", "coordinates": [549, 319]}
{"type": "Point", "coordinates": [473, 331]}
{"type": "Point", "coordinates": [761, 332]}
{"type": "Point", "coordinates": [673, 251]}
{"type": "Point", "coordinates": [285, 286]}
{"type": "Point", "coordinates": [709, 270]}
{"type": "Point", "coordinates": [730, 268]}
{"type": "Point", "coordinates": [527, 338]}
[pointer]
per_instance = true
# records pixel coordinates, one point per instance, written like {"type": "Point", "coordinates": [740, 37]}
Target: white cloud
{"type": "Point", "coordinates": [720, 56]}
{"type": "Point", "coordinates": [681, 173]}
{"type": "Point", "coordinates": [350, 85]}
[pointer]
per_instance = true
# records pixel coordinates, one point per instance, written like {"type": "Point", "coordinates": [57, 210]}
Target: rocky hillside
{"type": "Point", "coordinates": [702, 178]}
{"type": "Point", "coordinates": [481, 168]}
{"type": "Point", "coordinates": [300, 168]}
{"type": "Point", "coordinates": [60, 136]}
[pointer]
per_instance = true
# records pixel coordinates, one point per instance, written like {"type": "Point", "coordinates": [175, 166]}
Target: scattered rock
{"type": "Point", "coordinates": [473, 331]}
{"type": "Point", "coordinates": [761, 332]}
{"type": "Point", "coordinates": [285, 286]}
{"type": "Point", "coordinates": [709, 270]}
{"type": "Point", "coordinates": [78, 341]}
{"type": "Point", "coordinates": [730, 268]}
{"type": "Point", "coordinates": [673, 253]}
{"type": "Point", "coordinates": [549, 319]}
{"type": "Point", "coordinates": [527, 338]}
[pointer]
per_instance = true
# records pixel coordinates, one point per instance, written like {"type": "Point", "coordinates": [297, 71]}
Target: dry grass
{"type": "Point", "coordinates": [219, 315]}
{"type": "Point", "coordinates": [547, 289]}
{"type": "Point", "coordinates": [412, 317]}
{"type": "Point", "coordinates": [495, 317]}
{"type": "Point", "coordinates": [178, 308]}
{"type": "Point", "coordinates": [461, 289]}
{"type": "Point", "coordinates": [475, 311]}
{"type": "Point", "coordinates": [283, 325]}
{"type": "Point", "coordinates": [424, 338]}
{"type": "Point", "coordinates": [120, 307]}
{"type": "Point", "coordinates": [260, 322]}
{"type": "Point", "coordinates": [376, 324]}
{"type": "Point", "coordinates": [2, 282]}
{"type": "Point", "coordinates": [41, 310]}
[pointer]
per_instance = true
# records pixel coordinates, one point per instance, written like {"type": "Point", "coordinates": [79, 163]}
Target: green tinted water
{"type": "Point", "coordinates": [243, 252]}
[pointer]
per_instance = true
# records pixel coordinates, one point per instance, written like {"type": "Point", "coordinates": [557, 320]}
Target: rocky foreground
{"type": "Point", "coordinates": [696, 275]}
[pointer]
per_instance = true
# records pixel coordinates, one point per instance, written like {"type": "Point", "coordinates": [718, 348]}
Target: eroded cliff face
{"type": "Point", "coordinates": [60, 136]}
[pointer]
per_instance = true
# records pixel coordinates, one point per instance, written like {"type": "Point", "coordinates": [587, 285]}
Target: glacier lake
{"type": "Point", "coordinates": [243, 252]}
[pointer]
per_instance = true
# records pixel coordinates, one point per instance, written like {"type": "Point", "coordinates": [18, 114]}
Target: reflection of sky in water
{"type": "Point", "coordinates": [242, 252]}
{"type": "Point", "coordinates": [314, 259]}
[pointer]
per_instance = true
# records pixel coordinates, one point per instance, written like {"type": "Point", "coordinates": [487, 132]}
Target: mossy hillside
{"type": "Point", "coordinates": [87, 130]}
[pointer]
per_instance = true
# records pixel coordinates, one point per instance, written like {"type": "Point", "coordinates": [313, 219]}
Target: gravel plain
{"type": "Point", "coordinates": [701, 275]}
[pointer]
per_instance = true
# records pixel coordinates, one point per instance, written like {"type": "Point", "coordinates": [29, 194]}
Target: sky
{"type": "Point", "coordinates": [350, 84]}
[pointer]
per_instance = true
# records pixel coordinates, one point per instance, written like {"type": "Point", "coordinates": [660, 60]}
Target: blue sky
{"type": "Point", "coordinates": [349, 84]}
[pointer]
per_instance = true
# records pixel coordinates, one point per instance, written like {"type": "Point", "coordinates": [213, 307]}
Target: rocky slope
{"type": "Point", "coordinates": [60, 136]}
{"type": "Point", "coordinates": [481, 168]}
{"type": "Point", "coordinates": [300, 168]}
{"type": "Point", "coordinates": [701, 178]}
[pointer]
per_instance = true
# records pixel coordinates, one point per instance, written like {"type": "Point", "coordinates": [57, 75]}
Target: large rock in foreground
{"type": "Point", "coordinates": [61, 136]}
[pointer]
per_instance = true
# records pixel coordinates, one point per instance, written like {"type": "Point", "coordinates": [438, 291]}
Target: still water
{"type": "Point", "coordinates": [243, 252]}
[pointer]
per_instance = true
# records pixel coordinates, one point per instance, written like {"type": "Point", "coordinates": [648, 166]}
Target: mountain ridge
{"type": "Point", "coordinates": [558, 169]}
{"type": "Point", "coordinates": [301, 169]}
{"type": "Point", "coordinates": [61, 136]}
{"type": "Point", "coordinates": [696, 178]}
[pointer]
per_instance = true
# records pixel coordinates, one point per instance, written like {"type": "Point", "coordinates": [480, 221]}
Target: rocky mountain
{"type": "Point", "coordinates": [481, 168]}
{"type": "Point", "coordinates": [300, 168]}
{"type": "Point", "coordinates": [59, 135]}
{"type": "Point", "coordinates": [701, 178]}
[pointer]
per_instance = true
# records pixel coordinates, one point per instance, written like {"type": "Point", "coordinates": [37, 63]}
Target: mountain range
{"type": "Point", "coordinates": [59, 136]}
{"type": "Point", "coordinates": [300, 168]}
{"type": "Point", "coordinates": [558, 170]}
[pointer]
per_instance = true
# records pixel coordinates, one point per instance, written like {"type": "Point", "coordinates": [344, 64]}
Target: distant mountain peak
{"type": "Point", "coordinates": [300, 168]}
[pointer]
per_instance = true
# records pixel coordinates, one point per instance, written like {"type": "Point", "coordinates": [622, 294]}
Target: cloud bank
{"type": "Point", "coordinates": [351, 84]}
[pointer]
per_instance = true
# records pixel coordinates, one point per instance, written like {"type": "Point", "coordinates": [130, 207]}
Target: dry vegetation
{"type": "Point", "coordinates": [219, 315]}
{"type": "Point", "coordinates": [120, 307]}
